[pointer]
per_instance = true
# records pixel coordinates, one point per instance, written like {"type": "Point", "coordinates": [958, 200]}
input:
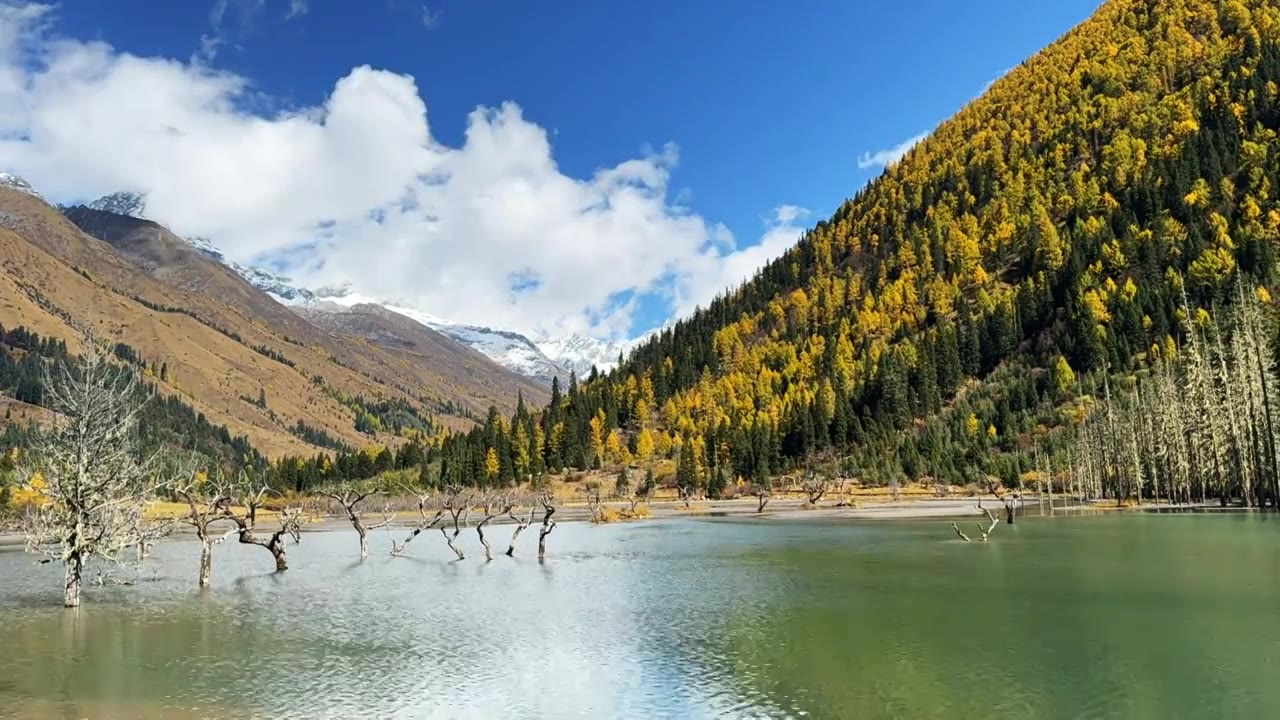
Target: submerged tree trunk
{"type": "Point", "coordinates": [274, 544]}
{"type": "Point", "coordinates": [349, 502]}
{"type": "Point", "coordinates": [206, 561]}
{"type": "Point", "coordinates": [488, 551]}
{"type": "Point", "coordinates": [277, 549]}
{"type": "Point", "coordinates": [450, 538]}
{"type": "Point", "coordinates": [521, 524]}
{"type": "Point", "coordinates": [547, 525]}
{"type": "Point", "coordinates": [73, 566]}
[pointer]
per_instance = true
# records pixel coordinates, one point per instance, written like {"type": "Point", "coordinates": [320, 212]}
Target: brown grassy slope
{"type": "Point", "coordinates": [209, 370]}
{"type": "Point", "coordinates": [466, 369]}
{"type": "Point", "coordinates": [54, 274]}
{"type": "Point", "coordinates": [419, 361]}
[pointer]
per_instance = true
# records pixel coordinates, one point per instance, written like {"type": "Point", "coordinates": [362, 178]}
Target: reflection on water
{"type": "Point", "coordinates": [1136, 616]}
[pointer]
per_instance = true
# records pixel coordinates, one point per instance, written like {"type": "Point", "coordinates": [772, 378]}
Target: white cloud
{"type": "Point", "coordinates": [718, 273]}
{"type": "Point", "coordinates": [889, 156]}
{"type": "Point", "coordinates": [355, 190]}
{"type": "Point", "coordinates": [297, 8]}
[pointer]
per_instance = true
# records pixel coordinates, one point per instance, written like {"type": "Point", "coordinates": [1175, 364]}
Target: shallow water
{"type": "Point", "coordinates": [1135, 616]}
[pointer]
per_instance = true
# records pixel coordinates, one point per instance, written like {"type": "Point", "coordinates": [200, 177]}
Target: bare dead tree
{"type": "Point", "coordinates": [984, 531]}
{"type": "Point", "coordinates": [148, 531]}
{"type": "Point", "coordinates": [522, 523]}
{"type": "Point", "coordinates": [350, 501]}
{"type": "Point", "coordinates": [492, 506]}
{"type": "Point", "coordinates": [549, 509]}
{"type": "Point", "coordinates": [208, 501]}
{"type": "Point", "coordinates": [685, 492]}
{"type": "Point", "coordinates": [594, 503]}
{"type": "Point", "coordinates": [815, 487]}
{"type": "Point", "coordinates": [290, 524]}
{"type": "Point", "coordinates": [459, 508]}
{"type": "Point", "coordinates": [642, 492]}
{"type": "Point", "coordinates": [1006, 500]}
{"type": "Point", "coordinates": [428, 521]}
{"type": "Point", "coordinates": [763, 492]}
{"type": "Point", "coordinates": [88, 468]}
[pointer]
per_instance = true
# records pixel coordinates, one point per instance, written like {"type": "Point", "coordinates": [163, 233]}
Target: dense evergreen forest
{"type": "Point", "coordinates": [946, 320]}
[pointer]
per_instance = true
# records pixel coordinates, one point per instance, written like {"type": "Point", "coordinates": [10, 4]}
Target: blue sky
{"type": "Point", "coordinates": [770, 103]}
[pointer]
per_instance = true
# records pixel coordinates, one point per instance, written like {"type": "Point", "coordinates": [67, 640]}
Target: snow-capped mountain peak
{"type": "Point", "coordinates": [509, 349]}
{"type": "Point", "coordinates": [122, 203]}
{"type": "Point", "coordinates": [545, 359]}
{"type": "Point", "coordinates": [580, 353]}
{"type": "Point", "coordinates": [17, 183]}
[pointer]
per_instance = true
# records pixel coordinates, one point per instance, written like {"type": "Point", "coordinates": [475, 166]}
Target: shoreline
{"type": "Point", "coordinates": [784, 509]}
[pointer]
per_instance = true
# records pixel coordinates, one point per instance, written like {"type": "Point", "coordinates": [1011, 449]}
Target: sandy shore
{"type": "Point", "coordinates": [786, 509]}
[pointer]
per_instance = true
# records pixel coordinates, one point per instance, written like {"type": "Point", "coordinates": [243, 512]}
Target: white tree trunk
{"type": "Point", "coordinates": [206, 561]}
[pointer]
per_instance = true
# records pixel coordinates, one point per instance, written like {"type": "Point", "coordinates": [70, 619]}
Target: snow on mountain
{"type": "Point", "coordinates": [580, 353]}
{"type": "Point", "coordinates": [509, 349]}
{"type": "Point", "coordinates": [281, 288]}
{"type": "Point", "coordinates": [205, 246]}
{"type": "Point", "coordinates": [122, 203]}
{"type": "Point", "coordinates": [277, 286]}
{"type": "Point", "coordinates": [545, 359]}
{"type": "Point", "coordinates": [17, 183]}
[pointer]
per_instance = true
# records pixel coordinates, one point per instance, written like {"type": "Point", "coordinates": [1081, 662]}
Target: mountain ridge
{"type": "Point", "coordinates": [544, 359]}
{"type": "Point", "coordinates": [229, 350]}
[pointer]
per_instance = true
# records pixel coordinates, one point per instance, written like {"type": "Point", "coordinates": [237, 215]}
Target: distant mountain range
{"type": "Point", "coordinates": [541, 359]}
{"type": "Point", "coordinates": [215, 339]}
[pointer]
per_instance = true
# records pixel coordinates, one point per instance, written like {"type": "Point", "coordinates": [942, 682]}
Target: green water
{"type": "Point", "coordinates": [1135, 616]}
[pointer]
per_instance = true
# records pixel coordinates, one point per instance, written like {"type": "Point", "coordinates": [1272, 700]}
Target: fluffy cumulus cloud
{"type": "Point", "coordinates": [355, 190]}
{"type": "Point", "coordinates": [725, 271]}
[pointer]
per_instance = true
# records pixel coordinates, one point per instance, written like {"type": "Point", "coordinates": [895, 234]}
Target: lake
{"type": "Point", "coordinates": [1133, 616]}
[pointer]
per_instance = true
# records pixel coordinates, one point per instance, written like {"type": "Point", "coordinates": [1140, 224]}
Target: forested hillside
{"type": "Point", "coordinates": [946, 318]}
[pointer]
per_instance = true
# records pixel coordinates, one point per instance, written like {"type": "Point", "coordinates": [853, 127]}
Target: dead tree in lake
{"type": "Point", "coordinates": [350, 501]}
{"type": "Point", "coordinates": [549, 509]}
{"type": "Point", "coordinates": [459, 508]}
{"type": "Point", "coordinates": [246, 520]}
{"type": "Point", "coordinates": [90, 467]}
{"type": "Point", "coordinates": [985, 532]}
{"type": "Point", "coordinates": [208, 501]}
{"type": "Point", "coordinates": [147, 531]}
{"type": "Point", "coordinates": [428, 521]}
{"type": "Point", "coordinates": [1006, 500]}
{"type": "Point", "coordinates": [640, 493]}
{"type": "Point", "coordinates": [522, 523]}
{"type": "Point", "coordinates": [492, 506]}
{"type": "Point", "coordinates": [763, 491]}
{"type": "Point", "coordinates": [815, 487]}
{"type": "Point", "coordinates": [595, 505]}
